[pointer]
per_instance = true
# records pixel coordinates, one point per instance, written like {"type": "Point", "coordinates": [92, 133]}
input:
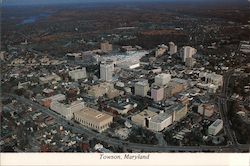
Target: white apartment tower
{"type": "Point", "coordinates": [187, 52]}
{"type": "Point", "coordinates": [106, 71]}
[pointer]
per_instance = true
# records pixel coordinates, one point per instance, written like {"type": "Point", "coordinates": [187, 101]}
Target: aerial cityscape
{"type": "Point", "coordinates": [125, 76]}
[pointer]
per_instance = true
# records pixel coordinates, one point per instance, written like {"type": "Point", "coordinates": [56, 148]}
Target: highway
{"type": "Point", "coordinates": [75, 127]}
{"type": "Point", "coordinates": [223, 107]}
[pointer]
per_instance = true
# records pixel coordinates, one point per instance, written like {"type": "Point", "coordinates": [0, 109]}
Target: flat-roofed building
{"type": "Point", "coordinates": [93, 119]}
{"type": "Point", "coordinates": [215, 127]}
{"type": "Point", "coordinates": [100, 89]}
{"type": "Point", "coordinates": [206, 109]}
{"type": "Point", "coordinates": [67, 110]}
{"type": "Point", "coordinates": [106, 70]}
{"type": "Point", "coordinates": [142, 88]}
{"type": "Point", "coordinates": [172, 89]}
{"type": "Point", "coordinates": [160, 121]}
{"type": "Point", "coordinates": [179, 111]}
{"type": "Point", "coordinates": [53, 78]}
{"type": "Point", "coordinates": [122, 107]}
{"type": "Point", "coordinates": [47, 101]}
{"type": "Point", "coordinates": [157, 93]}
{"type": "Point", "coordinates": [78, 74]}
{"type": "Point", "coordinates": [162, 79]}
{"type": "Point", "coordinates": [142, 119]}
{"type": "Point", "coordinates": [158, 117]}
{"type": "Point", "coordinates": [187, 52]}
{"type": "Point", "coordinates": [214, 78]}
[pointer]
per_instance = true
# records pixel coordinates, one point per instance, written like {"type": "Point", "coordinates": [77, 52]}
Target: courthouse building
{"type": "Point", "coordinates": [93, 119]}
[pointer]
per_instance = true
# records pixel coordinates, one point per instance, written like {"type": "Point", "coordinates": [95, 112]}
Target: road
{"type": "Point", "coordinates": [223, 107]}
{"type": "Point", "coordinates": [75, 127]}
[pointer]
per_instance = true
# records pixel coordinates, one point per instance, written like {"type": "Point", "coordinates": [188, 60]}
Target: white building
{"type": "Point", "coordinates": [78, 74]}
{"type": "Point", "coordinates": [215, 127]}
{"type": "Point", "coordinates": [160, 121]}
{"type": "Point", "coordinates": [162, 79]}
{"type": "Point", "coordinates": [187, 52]}
{"type": "Point", "coordinates": [106, 70]}
{"type": "Point", "coordinates": [67, 110]}
{"type": "Point", "coordinates": [214, 78]}
{"type": "Point", "coordinates": [142, 88]}
{"type": "Point", "coordinates": [172, 48]}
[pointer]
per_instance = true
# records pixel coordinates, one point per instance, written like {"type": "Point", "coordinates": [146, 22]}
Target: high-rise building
{"type": "Point", "coordinates": [106, 70]}
{"type": "Point", "coordinates": [162, 79]}
{"type": "Point", "coordinates": [157, 93]}
{"type": "Point", "coordinates": [187, 52]}
{"type": "Point", "coordinates": [106, 47]}
{"type": "Point", "coordinates": [141, 88]}
{"type": "Point", "coordinates": [172, 48]}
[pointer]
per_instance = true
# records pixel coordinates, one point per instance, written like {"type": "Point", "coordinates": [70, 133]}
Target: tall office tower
{"type": "Point", "coordinates": [106, 70]}
{"type": "Point", "coordinates": [172, 48]}
{"type": "Point", "coordinates": [187, 52]}
{"type": "Point", "coordinates": [106, 47]}
{"type": "Point", "coordinates": [142, 88]}
{"type": "Point", "coordinates": [157, 93]}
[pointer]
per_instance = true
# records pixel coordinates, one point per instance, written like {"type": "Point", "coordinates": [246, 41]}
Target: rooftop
{"type": "Point", "coordinates": [93, 115]}
{"type": "Point", "coordinates": [161, 117]}
{"type": "Point", "coordinates": [146, 114]}
{"type": "Point", "coordinates": [217, 123]}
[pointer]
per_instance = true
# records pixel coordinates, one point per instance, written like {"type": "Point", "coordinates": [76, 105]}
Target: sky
{"type": "Point", "coordinates": [31, 2]}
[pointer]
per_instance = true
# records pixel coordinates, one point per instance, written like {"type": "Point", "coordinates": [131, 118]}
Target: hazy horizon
{"type": "Point", "coordinates": [47, 2]}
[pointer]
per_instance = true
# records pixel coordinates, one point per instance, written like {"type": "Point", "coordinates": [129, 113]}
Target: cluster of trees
{"type": "Point", "coordinates": [241, 128]}
{"type": "Point", "coordinates": [143, 136]}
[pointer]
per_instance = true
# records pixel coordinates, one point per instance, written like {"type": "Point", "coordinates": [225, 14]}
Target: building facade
{"type": "Point", "coordinates": [206, 109]}
{"type": "Point", "coordinates": [93, 119]}
{"type": "Point", "coordinates": [157, 93]}
{"type": "Point", "coordinates": [187, 52]}
{"type": "Point", "coordinates": [67, 110]}
{"type": "Point", "coordinates": [162, 79]}
{"type": "Point", "coordinates": [215, 127]}
{"type": "Point", "coordinates": [78, 74]}
{"type": "Point", "coordinates": [106, 71]}
{"type": "Point", "coordinates": [141, 88]}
